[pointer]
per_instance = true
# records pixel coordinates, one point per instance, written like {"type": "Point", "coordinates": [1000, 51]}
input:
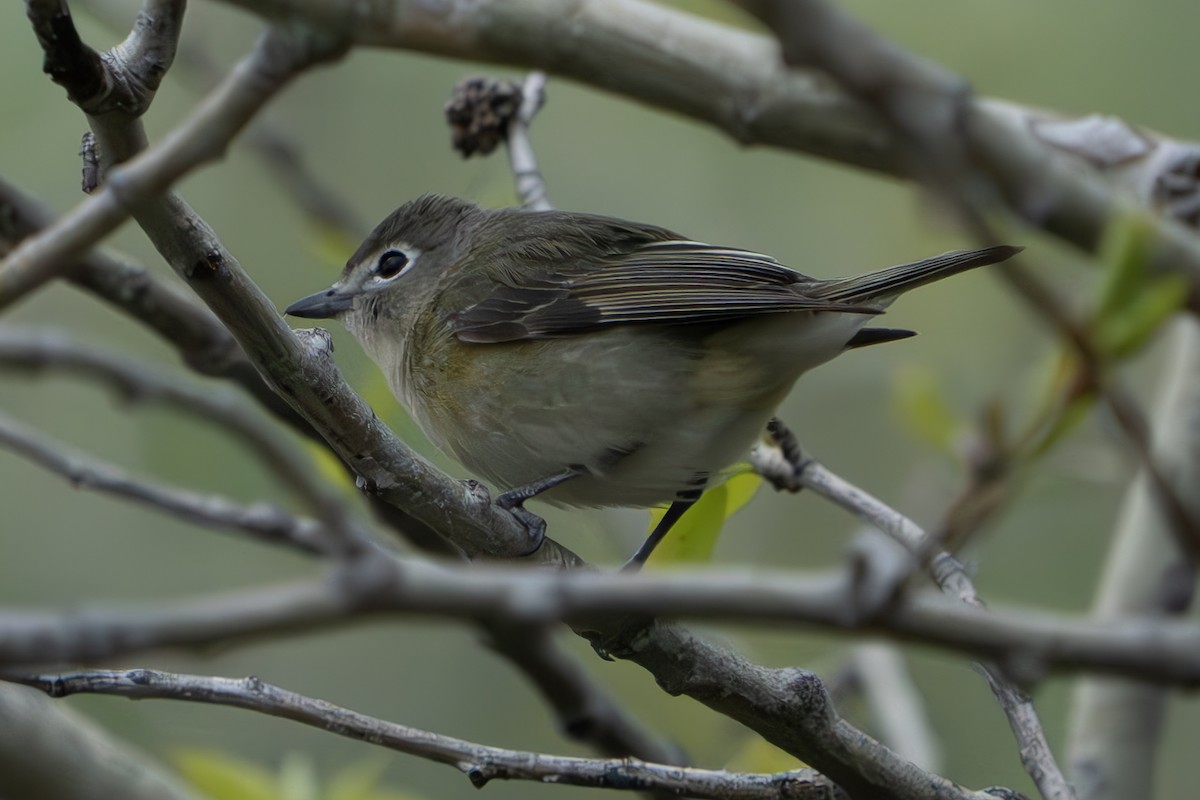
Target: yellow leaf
{"type": "Point", "coordinates": [328, 465]}
{"type": "Point", "coordinates": [694, 536]}
{"type": "Point", "coordinates": [222, 777]}
{"type": "Point", "coordinates": [360, 781]}
{"type": "Point", "coordinates": [761, 757]}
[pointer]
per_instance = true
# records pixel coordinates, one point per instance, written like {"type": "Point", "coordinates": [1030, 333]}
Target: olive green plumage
{"type": "Point", "coordinates": [534, 344]}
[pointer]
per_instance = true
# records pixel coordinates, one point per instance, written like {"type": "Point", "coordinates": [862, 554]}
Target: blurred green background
{"type": "Point", "coordinates": [371, 126]}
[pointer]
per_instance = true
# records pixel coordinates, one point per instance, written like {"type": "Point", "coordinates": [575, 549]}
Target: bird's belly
{"type": "Point", "coordinates": [690, 453]}
{"type": "Point", "coordinates": [621, 462]}
{"type": "Point", "coordinates": [642, 417]}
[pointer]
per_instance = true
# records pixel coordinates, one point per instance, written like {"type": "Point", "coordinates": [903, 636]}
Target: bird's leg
{"type": "Point", "coordinates": [683, 501]}
{"type": "Point", "coordinates": [513, 501]}
{"type": "Point", "coordinates": [789, 447]}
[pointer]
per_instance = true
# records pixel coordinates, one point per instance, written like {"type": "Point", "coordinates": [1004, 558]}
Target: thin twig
{"type": "Point", "coordinates": [734, 81]}
{"type": "Point", "coordinates": [261, 521]}
{"type": "Point", "coordinates": [585, 711]}
{"type": "Point", "coordinates": [200, 338]}
{"type": "Point", "coordinates": [303, 373]}
{"type": "Point", "coordinates": [895, 703]}
{"type": "Point", "coordinates": [50, 350]}
{"type": "Point", "coordinates": [278, 57]}
{"type": "Point", "coordinates": [480, 763]}
{"type": "Point", "coordinates": [1096, 376]}
{"type": "Point", "coordinates": [195, 333]}
{"type": "Point", "coordinates": [927, 106]}
{"type": "Point", "coordinates": [522, 161]}
{"type": "Point", "coordinates": [267, 135]}
{"type": "Point", "coordinates": [779, 466]}
{"type": "Point", "coordinates": [949, 575]}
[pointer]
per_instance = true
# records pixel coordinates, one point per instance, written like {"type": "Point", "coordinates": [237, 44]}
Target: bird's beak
{"type": "Point", "coordinates": [322, 305]}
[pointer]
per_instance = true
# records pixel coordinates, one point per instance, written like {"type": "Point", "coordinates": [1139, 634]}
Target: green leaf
{"type": "Point", "coordinates": [1058, 401]}
{"type": "Point", "coordinates": [923, 409]}
{"type": "Point", "coordinates": [1123, 253]}
{"type": "Point", "coordinates": [1123, 333]}
{"type": "Point", "coordinates": [357, 781]}
{"type": "Point", "coordinates": [222, 777]}
{"type": "Point", "coordinates": [694, 536]}
{"type": "Point", "coordinates": [1074, 413]}
{"type": "Point", "coordinates": [1132, 304]}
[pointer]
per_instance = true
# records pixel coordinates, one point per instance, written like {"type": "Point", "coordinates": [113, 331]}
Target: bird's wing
{"type": "Point", "coordinates": [668, 282]}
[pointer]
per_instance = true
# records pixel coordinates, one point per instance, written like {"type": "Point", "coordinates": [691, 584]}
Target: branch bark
{"type": "Point", "coordinates": [736, 82]}
{"type": "Point", "coordinates": [1116, 725]}
{"type": "Point", "coordinates": [260, 521]}
{"type": "Point", "coordinates": [480, 763]}
{"type": "Point", "coordinates": [1027, 644]}
{"type": "Point", "coordinates": [682, 662]}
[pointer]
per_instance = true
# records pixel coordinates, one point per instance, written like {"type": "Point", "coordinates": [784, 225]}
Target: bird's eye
{"type": "Point", "coordinates": [391, 264]}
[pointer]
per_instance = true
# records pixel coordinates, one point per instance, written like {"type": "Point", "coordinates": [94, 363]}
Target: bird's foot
{"type": "Point", "coordinates": [513, 501]}
{"type": "Point", "coordinates": [535, 526]}
{"type": "Point", "coordinates": [795, 461]}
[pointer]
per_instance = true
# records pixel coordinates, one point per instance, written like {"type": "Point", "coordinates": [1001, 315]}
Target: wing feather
{"type": "Point", "coordinates": [675, 282]}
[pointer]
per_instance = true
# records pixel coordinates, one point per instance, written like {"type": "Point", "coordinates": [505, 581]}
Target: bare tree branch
{"type": "Point", "coordinates": [530, 186]}
{"type": "Point", "coordinates": [125, 88]}
{"type": "Point", "coordinates": [787, 468]}
{"type": "Point", "coordinates": [261, 521]}
{"type": "Point", "coordinates": [196, 253]}
{"type": "Point", "coordinates": [148, 51]}
{"type": "Point", "coordinates": [45, 350]}
{"type": "Point", "coordinates": [895, 703]}
{"type": "Point", "coordinates": [585, 711]}
{"type": "Point", "coordinates": [173, 248]}
{"type": "Point", "coordinates": [68, 61]}
{"type": "Point", "coordinates": [277, 58]}
{"type": "Point", "coordinates": [674, 655]}
{"type": "Point", "coordinates": [1116, 725]}
{"type": "Point", "coordinates": [1029, 644]}
{"type": "Point", "coordinates": [268, 136]}
{"type": "Point", "coordinates": [480, 763]}
{"type": "Point", "coordinates": [200, 339]}
{"type": "Point", "coordinates": [736, 82]}
{"type": "Point", "coordinates": [927, 106]}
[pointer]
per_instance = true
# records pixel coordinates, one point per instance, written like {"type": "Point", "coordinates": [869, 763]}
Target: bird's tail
{"type": "Point", "coordinates": [893, 281]}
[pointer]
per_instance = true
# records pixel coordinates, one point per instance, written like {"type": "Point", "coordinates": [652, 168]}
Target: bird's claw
{"type": "Point", "coordinates": [534, 525]}
{"type": "Point", "coordinates": [789, 447]}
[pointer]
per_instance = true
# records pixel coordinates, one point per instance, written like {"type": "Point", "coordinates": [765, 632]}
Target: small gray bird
{"type": "Point", "coordinates": [593, 361]}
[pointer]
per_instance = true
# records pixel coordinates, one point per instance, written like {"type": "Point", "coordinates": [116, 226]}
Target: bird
{"type": "Point", "coordinates": [588, 360]}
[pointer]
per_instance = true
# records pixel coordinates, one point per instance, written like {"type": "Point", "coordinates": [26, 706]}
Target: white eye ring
{"type": "Point", "coordinates": [392, 265]}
